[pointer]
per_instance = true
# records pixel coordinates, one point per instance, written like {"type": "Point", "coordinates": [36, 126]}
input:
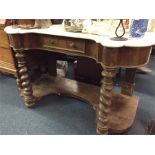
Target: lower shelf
{"type": "Point", "coordinates": [123, 108]}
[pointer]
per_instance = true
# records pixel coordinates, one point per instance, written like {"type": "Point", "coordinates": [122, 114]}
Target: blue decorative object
{"type": "Point", "coordinates": [138, 28]}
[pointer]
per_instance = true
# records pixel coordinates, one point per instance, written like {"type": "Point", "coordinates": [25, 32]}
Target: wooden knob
{"type": "Point", "coordinates": [72, 45]}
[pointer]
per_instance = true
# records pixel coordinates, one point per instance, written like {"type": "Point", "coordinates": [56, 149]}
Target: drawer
{"type": "Point", "coordinates": [64, 44]}
{"type": "Point", "coordinates": [76, 44]}
{"type": "Point", "coordinates": [4, 42]}
{"type": "Point", "coordinates": [6, 56]}
{"type": "Point", "coordinates": [49, 41]}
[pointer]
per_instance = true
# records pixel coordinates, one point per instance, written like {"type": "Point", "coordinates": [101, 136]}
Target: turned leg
{"type": "Point", "coordinates": [23, 80]}
{"type": "Point", "coordinates": [19, 85]}
{"type": "Point", "coordinates": [104, 108]}
{"type": "Point", "coordinates": [18, 82]}
{"type": "Point", "coordinates": [129, 82]}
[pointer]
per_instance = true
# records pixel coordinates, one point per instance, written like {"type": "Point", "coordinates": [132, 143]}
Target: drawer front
{"type": "Point", "coordinates": [76, 44]}
{"type": "Point", "coordinates": [6, 56]}
{"type": "Point", "coordinates": [64, 44]}
{"type": "Point", "coordinates": [49, 41]}
{"type": "Point", "coordinates": [4, 42]}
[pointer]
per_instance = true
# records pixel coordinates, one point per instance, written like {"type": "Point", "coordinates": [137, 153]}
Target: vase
{"type": "Point", "coordinates": [138, 28]}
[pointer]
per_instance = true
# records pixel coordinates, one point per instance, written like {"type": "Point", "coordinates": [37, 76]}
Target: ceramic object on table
{"type": "Point", "coordinates": [138, 28]}
{"type": "Point", "coordinates": [73, 25]}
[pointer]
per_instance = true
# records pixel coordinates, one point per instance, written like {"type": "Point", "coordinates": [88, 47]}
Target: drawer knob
{"type": "Point", "coordinates": [72, 45]}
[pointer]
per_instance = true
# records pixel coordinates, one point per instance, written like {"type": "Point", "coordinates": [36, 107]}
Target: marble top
{"type": "Point", "coordinates": [58, 30]}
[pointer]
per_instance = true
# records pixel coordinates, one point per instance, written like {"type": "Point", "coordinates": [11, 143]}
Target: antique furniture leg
{"type": "Point", "coordinates": [18, 82]}
{"type": "Point", "coordinates": [129, 82]}
{"type": "Point", "coordinates": [23, 80]}
{"type": "Point", "coordinates": [104, 108]}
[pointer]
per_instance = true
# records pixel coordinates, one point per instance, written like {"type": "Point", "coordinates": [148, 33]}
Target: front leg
{"type": "Point", "coordinates": [24, 78]}
{"type": "Point", "coordinates": [104, 107]}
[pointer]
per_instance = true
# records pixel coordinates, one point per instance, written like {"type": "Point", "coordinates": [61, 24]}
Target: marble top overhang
{"type": "Point", "coordinates": [58, 30]}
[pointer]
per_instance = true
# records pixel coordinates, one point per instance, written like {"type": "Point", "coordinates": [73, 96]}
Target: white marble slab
{"type": "Point", "coordinates": [58, 30]}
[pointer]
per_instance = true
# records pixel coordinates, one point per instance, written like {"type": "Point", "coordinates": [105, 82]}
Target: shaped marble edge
{"type": "Point", "coordinates": [58, 30]}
